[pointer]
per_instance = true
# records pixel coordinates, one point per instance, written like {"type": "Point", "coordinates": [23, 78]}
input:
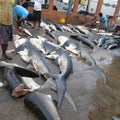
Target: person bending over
{"type": "Point", "coordinates": [103, 21]}
{"type": "Point", "coordinates": [20, 14]}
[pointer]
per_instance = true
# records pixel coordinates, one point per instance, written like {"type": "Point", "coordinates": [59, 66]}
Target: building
{"type": "Point", "coordinates": [68, 10]}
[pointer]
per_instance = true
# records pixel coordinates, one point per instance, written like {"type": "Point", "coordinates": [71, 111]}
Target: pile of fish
{"type": "Point", "coordinates": [31, 55]}
{"type": "Point", "coordinates": [35, 51]}
{"type": "Point", "coordinates": [106, 42]}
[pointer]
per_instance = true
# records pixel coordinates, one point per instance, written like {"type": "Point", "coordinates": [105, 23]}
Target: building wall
{"type": "Point", "coordinates": [54, 15]}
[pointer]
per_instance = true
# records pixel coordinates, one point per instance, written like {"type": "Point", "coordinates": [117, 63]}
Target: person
{"type": "Point", "coordinates": [37, 12]}
{"type": "Point", "coordinates": [19, 15]}
{"type": "Point", "coordinates": [6, 25]}
{"type": "Point", "coordinates": [103, 21]}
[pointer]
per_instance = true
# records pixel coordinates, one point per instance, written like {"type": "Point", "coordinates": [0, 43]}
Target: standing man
{"type": "Point", "coordinates": [37, 12]}
{"type": "Point", "coordinates": [103, 21]}
{"type": "Point", "coordinates": [6, 25]}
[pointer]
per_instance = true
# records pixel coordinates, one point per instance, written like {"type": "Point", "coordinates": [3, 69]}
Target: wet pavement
{"type": "Point", "coordinates": [94, 99]}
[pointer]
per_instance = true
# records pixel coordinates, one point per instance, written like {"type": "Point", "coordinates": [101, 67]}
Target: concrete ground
{"type": "Point", "coordinates": [94, 99]}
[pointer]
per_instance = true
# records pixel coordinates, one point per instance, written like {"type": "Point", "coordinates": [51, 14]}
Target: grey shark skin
{"type": "Point", "coordinates": [37, 101]}
{"type": "Point", "coordinates": [47, 49]}
{"type": "Point", "coordinates": [101, 41]}
{"type": "Point", "coordinates": [12, 75]}
{"type": "Point", "coordinates": [63, 60]}
{"type": "Point", "coordinates": [41, 67]}
{"type": "Point", "coordinates": [42, 105]}
{"type": "Point", "coordinates": [84, 54]}
{"type": "Point", "coordinates": [84, 40]}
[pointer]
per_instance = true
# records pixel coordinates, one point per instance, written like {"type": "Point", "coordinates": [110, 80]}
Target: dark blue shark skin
{"type": "Point", "coordinates": [42, 105]}
{"type": "Point", "coordinates": [37, 101]}
{"type": "Point", "coordinates": [12, 74]}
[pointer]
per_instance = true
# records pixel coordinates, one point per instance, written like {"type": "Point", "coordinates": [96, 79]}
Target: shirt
{"type": "Point", "coordinates": [103, 20]}
{"type": "Point", "coordinates": [6, 11]}
{"type": "Point", "coordinates": [38, 5]}
{"type": "Point", "coordinates": [20, 11]}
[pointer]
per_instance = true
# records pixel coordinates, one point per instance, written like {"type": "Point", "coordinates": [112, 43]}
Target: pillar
{"type": "Point", "coordinates": [75, 8]}
{"type": "Point", "coordinates": [99, 6]}
{"type": "Point", "coordinates": [115, 13]}
{"type": "Point", "coordinates": [51, 3]}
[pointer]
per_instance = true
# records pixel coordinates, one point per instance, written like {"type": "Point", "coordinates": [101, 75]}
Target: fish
{"type": "Point", "coordinates": [43, 45]}
{"type": "Point", "coordinates": [45, 26]}
{"type": "Point", "coordinates": [42, 104]}
{"type": "Point", "coordinates": [58, 27]}
{"type": "Point", "coordinates": [101, 41]}
{"type": "Point", "coordinates": [114, 45]}
{"type": "Point", "coordinates": [82, 29]}
{"type": "Point", "coordinates": [13, 74]}
{"type": "Point", "coordinates": [67, 28]}
{"type": "Point", "coordinates": [63, 60]}
{"type": "Point", "coordinates": [36, 100]}
{"type": "Point", "coordinates": [107, 43]}
{"type": "Point", "coordinates": [52, 27]}
{"type": "Point", "coordinates": [105, 33]}
{"type": "Point", "coordinates": [26, 31]}
{"type": "Point", "coordinates": [51, 34]}
{"type": "Point", "coordinates": [84, 40]}
{"type": "Point", "coordinates": [82, 52]}
{"type": "Point", "coordinates": [24, 53]}
{"type": "Point", "coordinates": [94, 67]}
{"type": "Point", "coordinates": [39, 64]}
{"type": "Point", "coordinates": [68, 44]}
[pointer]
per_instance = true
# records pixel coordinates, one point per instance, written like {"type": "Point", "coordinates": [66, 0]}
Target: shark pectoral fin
{"type": "Point", "coordinates": [69, 98]}
{"type": "Point", "coordinates": [99, 71]}
{"type": "Point", "coordinates": [25, 72]}
{"type": "Point", "coordinates": [19, 48]}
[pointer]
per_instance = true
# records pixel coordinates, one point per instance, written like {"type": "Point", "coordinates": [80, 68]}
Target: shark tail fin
{"type": "Point", "coordinates": [61, 89]}
{"type": "Point", "coordinates": [99, 71]}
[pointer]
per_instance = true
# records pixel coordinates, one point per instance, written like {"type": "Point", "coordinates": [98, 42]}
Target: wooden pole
{"type": "Point", "coordinates": [75, 8]}
{"type": "Point", "coordinates": [51, 3]}
{"type": "Point", "coordinates": [99, 6]}
{"type": "Point", "coordinates": [115, 13]}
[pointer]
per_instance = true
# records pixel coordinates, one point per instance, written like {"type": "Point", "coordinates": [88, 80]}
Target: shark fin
{"type": "Point", "coordinates": [99, 71]}
{"type": "Point", "coordinates": [25, 72]}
